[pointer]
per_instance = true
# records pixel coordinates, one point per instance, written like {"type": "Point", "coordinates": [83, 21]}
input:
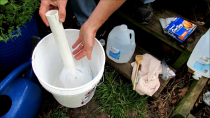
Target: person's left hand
{"type": "Point", "coordinates": [86, 40]}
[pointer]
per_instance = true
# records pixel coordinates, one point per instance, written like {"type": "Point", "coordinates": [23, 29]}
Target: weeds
{"type": "Point", "coordinates": [59, 113]}
{"type": "Point", "coordinates": [118, 98]}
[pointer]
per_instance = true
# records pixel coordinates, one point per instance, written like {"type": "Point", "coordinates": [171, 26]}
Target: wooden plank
{"type": "Point", "coordinates": [194, 36]}
{"type": "Point", "coordinates": [186, 104]}
{"type": "Point", "coordinates": [181, 60]}
{"type": "Point", "coordinates": [126, 69]}
{"type": "Point", "coordinates": [163, 84]}
{"type": "Point", "coordinates": [190, 116]}
{"type": "Point", "coordinates": [160, 35]}
{"type": "Point", "coordinates": [156, 30]}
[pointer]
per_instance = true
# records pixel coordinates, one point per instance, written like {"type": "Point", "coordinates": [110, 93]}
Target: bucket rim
{"type": "Point", "coordinates": [67, 89]}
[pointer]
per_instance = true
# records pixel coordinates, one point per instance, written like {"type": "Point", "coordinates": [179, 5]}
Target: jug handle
{"type": "Point", "coordinates": [132, 41]}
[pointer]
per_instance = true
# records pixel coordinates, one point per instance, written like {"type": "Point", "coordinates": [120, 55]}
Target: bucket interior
{"type": "Point", "coordinates": [47, 62]}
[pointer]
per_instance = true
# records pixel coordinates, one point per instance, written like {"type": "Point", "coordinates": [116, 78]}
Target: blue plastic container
{"type": "Point", "coordinates": [20, 97]}
{"type": "Point", "coordinates": [18, 50]}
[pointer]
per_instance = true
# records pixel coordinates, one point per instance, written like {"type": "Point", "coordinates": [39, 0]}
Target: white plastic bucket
{"type": "Point", "coordinates": [47, 65]}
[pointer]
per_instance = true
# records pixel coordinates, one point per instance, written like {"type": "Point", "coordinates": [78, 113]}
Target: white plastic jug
{"type": "Point", "coordinates": [199, 60]}
{"type": "Point", "coordinates": [121, 44]}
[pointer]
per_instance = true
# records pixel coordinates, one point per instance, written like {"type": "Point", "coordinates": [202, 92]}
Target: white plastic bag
{"type": "Point", "coordinates": [167, 72]}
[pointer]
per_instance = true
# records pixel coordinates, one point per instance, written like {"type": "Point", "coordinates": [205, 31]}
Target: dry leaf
{"type": "Point", "coordinates": [178, 80]}
{"type": "Point", "coordinates": [183, 91]}
{"type": "Point", "coordinates": [200, 99]}
{"type": "Point", "coordinates": [169, 87]}
{"type": "Point", "coordinates": [176, 90]}
{"type": "Point", "coordinates": [190, 70]}
{"type": "Point", "coordinates": [155, 103]}
{"type": "Point", "coordinates": [173, 93]}
{"type": "Point", "coordinates": [174, 101]}
{"type": "Point", "coordinates": [196, 104]}
{"type": "Point", "coordinates": [133, 114]}
{"type": "Point", "coordinates": [162, 112]}
{"type": "Point", "coordinates": [160, 105]}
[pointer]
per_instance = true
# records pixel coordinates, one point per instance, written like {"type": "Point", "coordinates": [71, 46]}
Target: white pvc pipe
{"type": "Point", "coordinates": [60, 37]}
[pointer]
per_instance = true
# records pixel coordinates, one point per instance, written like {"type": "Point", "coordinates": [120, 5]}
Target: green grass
{"type": "Point", "coordinates": [118, 98]}
{"type": "Point", "coordinates": [58, 113]}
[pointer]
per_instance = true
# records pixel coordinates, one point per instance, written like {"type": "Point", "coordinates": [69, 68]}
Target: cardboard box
{"type": "Point", "coordinates": [179, 28]}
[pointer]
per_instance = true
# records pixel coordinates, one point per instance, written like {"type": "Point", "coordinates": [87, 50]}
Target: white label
{"type": "Point", "coordinates": [114, 50]}
{"type": "Point", "coordinates": [202, 64]}
{"type": "Point", "coordinates": [88, 96]}
{"type": "Point", "coordinates": [114, 53]}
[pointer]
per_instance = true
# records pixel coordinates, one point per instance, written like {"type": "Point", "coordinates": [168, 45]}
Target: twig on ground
{"type": "Point", "coordinates": [49, 113]}
{"type": "Point", "coordinates": [61, 106]}
{"type": "Point", "coordinates": [169, 94]}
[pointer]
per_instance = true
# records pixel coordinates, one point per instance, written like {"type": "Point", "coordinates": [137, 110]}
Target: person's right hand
{"type": "Point", "coordinates": [53, 4]}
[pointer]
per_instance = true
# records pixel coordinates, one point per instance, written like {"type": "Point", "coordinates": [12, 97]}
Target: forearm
{"type": "Point", "coordinates": [102, 12]}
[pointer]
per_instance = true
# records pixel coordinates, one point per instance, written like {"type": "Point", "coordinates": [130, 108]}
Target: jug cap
{"type": "Point", "coordinates": [123, 27]}
{"type": "Point", "coordinates": [102, 41]}
{"type": "Point", "coordinates": [206, 98]}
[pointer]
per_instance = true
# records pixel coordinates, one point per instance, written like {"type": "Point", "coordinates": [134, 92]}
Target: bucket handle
{"type": "Point", "coordinates": [101, 82]}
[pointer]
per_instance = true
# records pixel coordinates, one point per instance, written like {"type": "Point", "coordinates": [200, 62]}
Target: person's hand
{"type": "Point", "coordinates": [85, 41]}
{"type": "Point", "coordinates": [53, 4]}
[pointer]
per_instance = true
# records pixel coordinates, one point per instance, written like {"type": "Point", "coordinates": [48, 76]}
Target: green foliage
{"type": "Point", "coordinates": [58, 113]}
{"type": "Point", "coordinates": [118, 98]}
{"type": "Point", "coordinates": [13, 15]}
{"type": "Point", "coordinates": [3, 2]}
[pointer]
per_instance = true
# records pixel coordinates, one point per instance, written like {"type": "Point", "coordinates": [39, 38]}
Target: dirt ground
{"type": "Point", "coordinates": [49, 104]}
{"type": "Point", "coordinates": [174, 92]}
{"type": "Point", "coordinates": [161, 107]}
